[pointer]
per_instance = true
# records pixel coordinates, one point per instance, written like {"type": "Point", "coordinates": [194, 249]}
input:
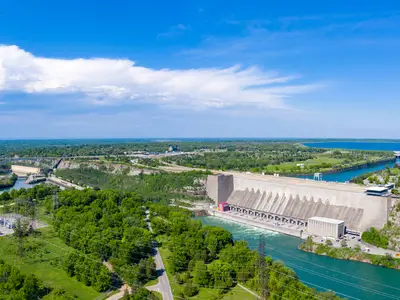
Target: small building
{"type": "Point", "coordinates": [377, 191]}
{"type": "Point", "coordinates": [390, 186]}
{"type": "Point", "coordinates": [325, 227]}
{"type": "Point", "coordinates": [224, 206]}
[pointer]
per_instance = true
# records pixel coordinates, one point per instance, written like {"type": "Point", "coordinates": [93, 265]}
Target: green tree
{"type": "Point", "coordinates": [220, 274]}
{"type": "Point", "coordinates": [190, 290]}
{"type": "Point", "coordinates": [200, 274]}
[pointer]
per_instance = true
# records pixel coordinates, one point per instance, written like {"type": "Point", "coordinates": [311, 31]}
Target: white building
{"type": "Point", "coordinates": [325, 227]}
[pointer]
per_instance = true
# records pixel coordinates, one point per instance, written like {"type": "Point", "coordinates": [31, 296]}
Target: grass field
{"type": "Point", "coordinates": [152, 282]}
{"type": "Point", "coordinates": [49, 251]}
{"type": "Point", "coordinates": [236, 293]}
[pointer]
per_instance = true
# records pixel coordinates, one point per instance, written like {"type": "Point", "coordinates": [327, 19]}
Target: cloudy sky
{"type": "Point", "coordinates": [78, 69]}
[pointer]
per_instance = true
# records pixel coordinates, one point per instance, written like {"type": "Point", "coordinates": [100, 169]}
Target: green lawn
{"type": "Point", "coordinates": [318, 160]}
{"type": "Point", "coordinates": [237, 293]}
{"type": "Point", "coordinates": [152, 282]}
{"type": "Point", "coordinates": [43, 261]}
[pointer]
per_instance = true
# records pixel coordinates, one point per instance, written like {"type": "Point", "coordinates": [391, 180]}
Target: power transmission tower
{"type": "Point", "coordinates": [262, 269]}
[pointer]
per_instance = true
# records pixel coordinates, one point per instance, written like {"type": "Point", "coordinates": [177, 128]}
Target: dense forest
{"type": "Point", "coordinates": [109, 226]}
{"type": "Point", "coordinates": [157, 187]}
{"type": "Point", "coordinates": [206, 257]}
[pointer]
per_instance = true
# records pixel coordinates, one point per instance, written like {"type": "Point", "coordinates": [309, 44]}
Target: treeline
{"type": "Point", "coordinates": [14, 285]}
{"type": "Point", "coordinates": [89, 271]}
{"type": "Point", "coordinates": [374, 237]}
{"type": "Point", "coordinates": [207, 257]}
{"type": "Point", "coordinates": [38, 192]}
{"type": "Point", "coordinates": [112, 147]}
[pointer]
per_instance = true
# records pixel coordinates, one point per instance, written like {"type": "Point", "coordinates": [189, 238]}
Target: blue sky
{"type": "Point", "coordinates": [97, 69]}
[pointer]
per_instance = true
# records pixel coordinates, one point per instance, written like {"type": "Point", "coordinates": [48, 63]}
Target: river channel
{"type": "Point", "coordinates": [19, 184]}
{"type": "Point", "coordinates": [349, 279]}
{"type": "Point", "coordinates": [349, 174]}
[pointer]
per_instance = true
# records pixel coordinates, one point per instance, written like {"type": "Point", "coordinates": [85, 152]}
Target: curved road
{"type": "Point", "coordinates": [163, 286]}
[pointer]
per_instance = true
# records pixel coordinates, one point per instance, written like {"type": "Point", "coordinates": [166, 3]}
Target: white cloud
{"type": "Point", "coordinates": [111, 81]}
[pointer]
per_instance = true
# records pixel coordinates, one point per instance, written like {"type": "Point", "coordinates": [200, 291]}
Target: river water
{"type": "Point", "coordinates": [19, 184]}
{"type": "Point", "coordinates": [348, 175]}
{"type": "Point", "coordinates": [383, 146]}
{"type": "Point", "coordinates": [352, 280]}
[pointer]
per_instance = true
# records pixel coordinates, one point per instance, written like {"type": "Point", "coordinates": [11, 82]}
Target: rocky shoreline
{"type": "Point", "coordinates": [354, 255]}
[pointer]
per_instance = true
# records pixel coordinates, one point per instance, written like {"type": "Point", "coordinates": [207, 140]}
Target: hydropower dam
{"type": "Point", "coordinates": [294, 200]}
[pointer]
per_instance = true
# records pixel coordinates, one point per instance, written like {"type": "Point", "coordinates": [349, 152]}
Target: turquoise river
{"type": "Point", "coordinates": [349, 279]}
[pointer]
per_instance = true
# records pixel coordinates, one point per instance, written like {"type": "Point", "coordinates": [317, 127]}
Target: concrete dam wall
{"type": "Point", "coordinates": [23, 170]}
{"type": "Point", "coordinates": [300, 199]}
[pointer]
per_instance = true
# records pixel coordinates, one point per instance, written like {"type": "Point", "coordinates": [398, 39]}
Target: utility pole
{"type": "Point", "coordinates": [262, 269]}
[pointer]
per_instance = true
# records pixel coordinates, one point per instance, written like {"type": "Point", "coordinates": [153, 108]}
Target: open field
{"type": "Point", "coordinates": [42, 257]}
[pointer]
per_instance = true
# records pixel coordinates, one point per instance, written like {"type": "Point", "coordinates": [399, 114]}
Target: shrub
{"type": "Point", "coordinates": [190, 290]}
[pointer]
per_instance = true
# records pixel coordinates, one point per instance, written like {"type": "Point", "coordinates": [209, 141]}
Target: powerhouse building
{"type": "Point", "coordinates": [296, 200]}
{"type": "Point", "coordinates": [325, 227]}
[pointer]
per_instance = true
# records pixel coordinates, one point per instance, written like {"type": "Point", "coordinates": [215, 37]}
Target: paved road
{"type": "Point", "coordinates": [163, 286]}
{"type": "Point", "coordinates": [120, 294]}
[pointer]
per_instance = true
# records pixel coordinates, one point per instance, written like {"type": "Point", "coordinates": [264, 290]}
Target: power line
{"type": "Point", "coordinates": [336, 280]}
{"type": "Point", "coordinates": [323, 267]}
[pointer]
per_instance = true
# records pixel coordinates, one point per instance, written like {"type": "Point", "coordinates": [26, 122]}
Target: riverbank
{"type": "Point", "coordinates": [353, 254]}
{"type": "Point", "coordinates": [8, 181]}
{"type": "Point", "coordinates": [363, 166]}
